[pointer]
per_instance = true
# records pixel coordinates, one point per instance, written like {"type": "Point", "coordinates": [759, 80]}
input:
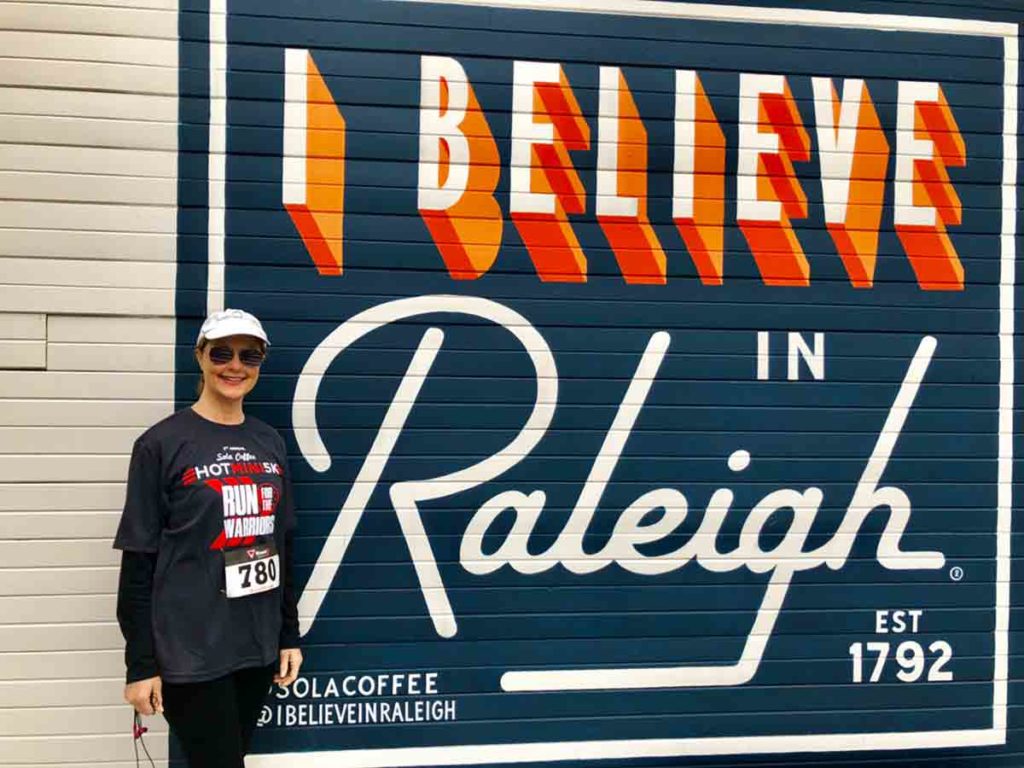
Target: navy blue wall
{"type": "Point", "coordinates": [705, 403]}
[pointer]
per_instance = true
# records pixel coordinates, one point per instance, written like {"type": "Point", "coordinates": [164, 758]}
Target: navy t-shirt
{"type": "Point", "coordinates": [195, 489]}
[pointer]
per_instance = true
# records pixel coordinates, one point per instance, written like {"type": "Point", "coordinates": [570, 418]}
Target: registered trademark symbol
{"type": "Point", "coordinates": [956, 573]}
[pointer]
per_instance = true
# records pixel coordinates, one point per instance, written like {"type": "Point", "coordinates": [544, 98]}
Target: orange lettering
{"type": "Point", "coordinates": [698, 197]}
{"type": "Point", "coordinates": [622, 183]}
{"type": "Point", "coordinates": [313, 165]}
{"type": "Point", "coordinates": [927, 141]}
{"type": "Point", "coordinates": [768, 194]}
{"type": "Point", "coordinates": [458, 171]}
{"type": "Point", "coordinates": [854, 157]}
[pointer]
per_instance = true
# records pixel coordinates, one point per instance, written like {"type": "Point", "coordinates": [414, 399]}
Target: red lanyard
{"type": "Point", "coordinates": [137, 730]}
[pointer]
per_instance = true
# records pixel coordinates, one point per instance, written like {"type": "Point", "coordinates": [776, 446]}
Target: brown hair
{"type": "Point", "coordinates": [198, 352]}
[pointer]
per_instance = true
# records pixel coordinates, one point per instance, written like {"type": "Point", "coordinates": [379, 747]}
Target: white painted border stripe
{"type": "Point", "coordinates": [476, 754]}
{"type": "Point", "coordinates": [1007, 286]}
{"type": "Point", "coordinates": [544, 752]}
{"type": "Point", "coordinates": [757, 15]}
{"type": "Point", "coordinates": [216, 157]}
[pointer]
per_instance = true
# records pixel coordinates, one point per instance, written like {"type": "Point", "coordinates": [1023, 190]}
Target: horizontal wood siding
{"type": "Point", "coordinates": [88, 141]}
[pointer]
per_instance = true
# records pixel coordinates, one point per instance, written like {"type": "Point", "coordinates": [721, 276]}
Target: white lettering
{"type": "Point", "coordinates": [526, 133]}
{"type": "Point", "coordinates": [836, 143]}
{"type": "Point", "coordinates": [439, 122]}
{"type": "Point", "coordinates": [752, 144]}
{"type": "Point", "coordinates": [249, 500]}
{"type": "Point", "coordinates": [227, 493]}
{"type": "Point", "coordinates": [406, 495]}
{"type": "Point", "coordinates": [798, 350]}
{"type": "Point", "coordinates": [909, 149]}
{"type": "Point", "coordinates": [366, 686]}
{"type": "Point", "coordinates": [609, 201]}
{"type": "Point", "coordinates": [634, 526]}
{"type": "Point", "coordinates": [685, 149]}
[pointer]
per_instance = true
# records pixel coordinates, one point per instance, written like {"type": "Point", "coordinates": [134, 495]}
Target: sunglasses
{"type": "Point", "coordinates": [223, 354]}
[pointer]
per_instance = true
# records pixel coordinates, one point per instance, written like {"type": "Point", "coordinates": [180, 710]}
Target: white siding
{"type": "Point", "coordinates": [88, 136]}
{"type": "Point", "coordinates": [22, 341]}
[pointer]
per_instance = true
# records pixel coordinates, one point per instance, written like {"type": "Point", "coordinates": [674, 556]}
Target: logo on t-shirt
{"type": "Point", "coordinates": [248, 510]}
{"type": "Point", "coordinates": [248, 506]}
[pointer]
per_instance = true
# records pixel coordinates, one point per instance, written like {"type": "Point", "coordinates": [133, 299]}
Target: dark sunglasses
{"type": "Point", "coordinates": [223, 354]}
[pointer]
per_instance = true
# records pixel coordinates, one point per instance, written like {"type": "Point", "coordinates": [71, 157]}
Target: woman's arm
{"type": "Point", "coordinates": [134, 614]}
{"type": "Point", "coordinates": [290, 655]}
{"type": "Point", "coordinates": [289, 609]}
{"type": "Point", "coordinates": [144, 688]}
{"type": "Point", "coordinates": [138, 537]}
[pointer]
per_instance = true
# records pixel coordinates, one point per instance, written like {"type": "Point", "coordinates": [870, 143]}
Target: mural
{"type": "Point", "coordinates": [647, 374]}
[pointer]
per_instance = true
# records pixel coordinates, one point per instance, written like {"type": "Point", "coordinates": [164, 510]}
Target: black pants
{"type": "Point", "coordinates": [214, 720]}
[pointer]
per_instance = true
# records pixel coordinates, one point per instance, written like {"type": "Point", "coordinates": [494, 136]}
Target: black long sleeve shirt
{"type": "Point", "coordinates": [135, 609]}
{"type": "Point", "coordinates": [198, 489]}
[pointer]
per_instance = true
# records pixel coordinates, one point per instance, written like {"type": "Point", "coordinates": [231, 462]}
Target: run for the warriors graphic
{"type": "Point", "coordinates": [248, 505]}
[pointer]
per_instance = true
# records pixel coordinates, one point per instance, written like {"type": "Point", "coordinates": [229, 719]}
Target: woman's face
{"type": "Point", "coordinates": [233, 379]}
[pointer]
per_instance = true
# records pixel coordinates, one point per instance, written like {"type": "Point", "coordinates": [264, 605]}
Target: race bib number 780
{"type": "Point", "coordinates": [251, 570]}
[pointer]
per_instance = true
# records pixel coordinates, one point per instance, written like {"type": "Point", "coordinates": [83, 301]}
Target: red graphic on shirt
{"type": "Point", "coordinates": [248, 510]}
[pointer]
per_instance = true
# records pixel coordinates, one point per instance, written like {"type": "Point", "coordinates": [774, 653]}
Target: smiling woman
{"type": "Point", "coordinates": [232, 365]}
{"type": "Point", "coordinates": [208, 522]}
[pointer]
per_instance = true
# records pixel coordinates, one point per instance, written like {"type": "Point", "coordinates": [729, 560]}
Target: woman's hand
{"type": "Point", "coordinates": [291, 660]}
{"type": "Point", "coordinates": [146, 695]}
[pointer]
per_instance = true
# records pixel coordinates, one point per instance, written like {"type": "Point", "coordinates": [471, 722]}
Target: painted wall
{"type": "Point", "coordinates": [598, 353]}
{"type": "Point", "coordinates": [648, 374]}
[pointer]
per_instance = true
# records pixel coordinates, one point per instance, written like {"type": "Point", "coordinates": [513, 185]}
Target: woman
{"type": "Point", "coordinates": [206, 601]}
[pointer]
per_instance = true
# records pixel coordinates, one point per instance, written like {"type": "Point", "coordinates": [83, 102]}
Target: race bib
{"type": "Point", "coordinates": [251, 570]}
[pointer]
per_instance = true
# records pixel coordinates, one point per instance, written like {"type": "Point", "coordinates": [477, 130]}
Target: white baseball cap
{"type": "Point", "coordinates": [231, 322]}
